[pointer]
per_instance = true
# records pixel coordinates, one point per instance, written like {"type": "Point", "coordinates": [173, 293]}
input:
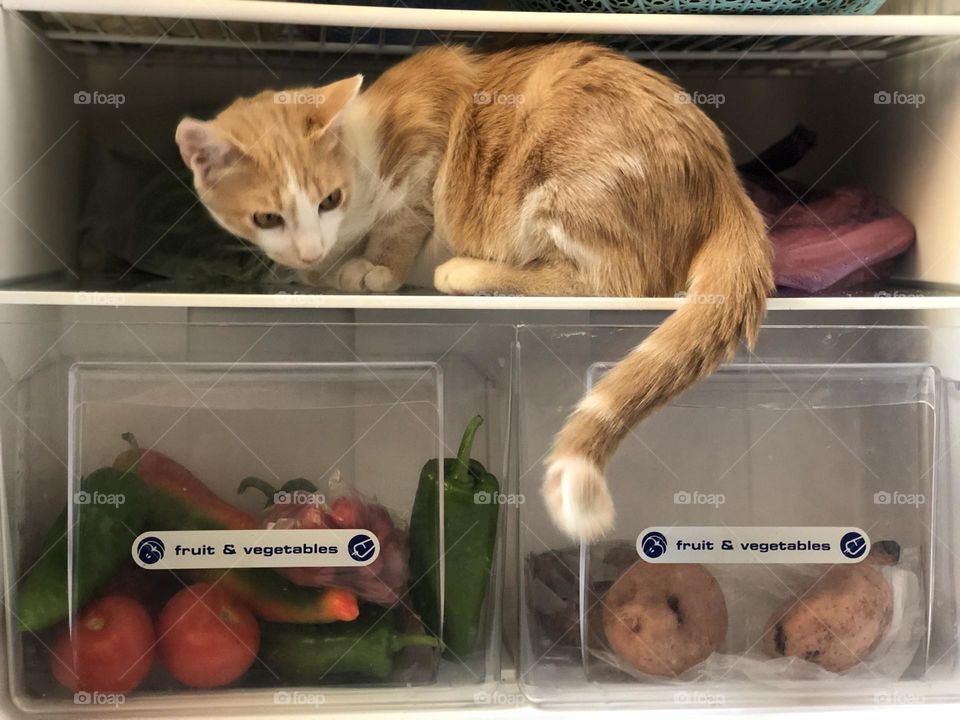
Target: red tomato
{"type": "Point", "coordinates": [207, 639]}
{"type": "Point", "coordinates": [111, 648]}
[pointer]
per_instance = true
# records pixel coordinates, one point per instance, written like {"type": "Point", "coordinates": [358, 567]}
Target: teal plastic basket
{"type": "Point", "coordinates": [741, 7]}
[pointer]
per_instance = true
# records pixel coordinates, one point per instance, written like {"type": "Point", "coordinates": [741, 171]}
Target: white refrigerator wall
{"type": "Point", "coordinates": [40, 143]}
{"type": "Point", "coordinates": [906, 152]}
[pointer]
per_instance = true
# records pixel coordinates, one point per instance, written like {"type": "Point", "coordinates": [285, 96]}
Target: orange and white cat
{"type": "Point", "coordinates": [557, 170]}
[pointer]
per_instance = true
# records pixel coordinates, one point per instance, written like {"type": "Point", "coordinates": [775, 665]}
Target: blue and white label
{"type": "Point", "coordinates": [362, 548]}
{"type": "Point", "coordinates": [653, 544]}
{"type": "Point", "coordinates": [743, 545]}
{"type": "Point", "coordinates": [200, 549]}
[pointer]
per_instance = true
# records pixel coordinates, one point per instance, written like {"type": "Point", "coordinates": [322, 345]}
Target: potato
{"type": "Point", "coordinates": [664, 619]}
{"type": "Point", "coordinates": [841, 619]}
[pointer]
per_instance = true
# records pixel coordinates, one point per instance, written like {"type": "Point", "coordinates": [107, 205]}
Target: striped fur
{"type": "Point", "coordinates": [564, 169]}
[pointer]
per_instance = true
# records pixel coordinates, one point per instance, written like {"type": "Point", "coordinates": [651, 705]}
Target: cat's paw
{"type": "Point", "coordinates": [361, 275]}
{"type": "Point", "coordinates": [351, 273]}
{"type": "Point", "coordinates": [577, 497]}
{"type": "Point", "coordinates": [381, 279]}
{"type": "Point", "coordinates": [462, 276]}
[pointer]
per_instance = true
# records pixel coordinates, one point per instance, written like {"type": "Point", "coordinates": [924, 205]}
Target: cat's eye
{"type": "Point", "coordinates": [331, 201]}
{"type": "Point", "coordinates": [267, 221]}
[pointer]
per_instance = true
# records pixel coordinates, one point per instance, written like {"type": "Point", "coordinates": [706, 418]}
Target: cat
{"type": "Point", "coordinates": [565, 169]}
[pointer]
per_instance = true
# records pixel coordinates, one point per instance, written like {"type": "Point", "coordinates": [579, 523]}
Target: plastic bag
{"type": "Point", "coordinates": [752, 593]}
{"type": "Point", "coordinates": [823, 240]}
{"type": "Point", "coordinates": [384, 580]}
{"type": "Point", "coordinates": [838, 241]}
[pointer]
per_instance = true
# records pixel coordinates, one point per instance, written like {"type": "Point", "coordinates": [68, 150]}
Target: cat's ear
{"type": "Point", "coordinates": [205, 150]}
{"type": "Point", "coordinates": [335, 98]}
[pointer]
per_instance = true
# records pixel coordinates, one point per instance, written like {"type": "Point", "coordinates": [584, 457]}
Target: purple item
{"type": "Point", "coordinates": [839, 240]}
{"type": "Point", "coordinates": [830, 240]}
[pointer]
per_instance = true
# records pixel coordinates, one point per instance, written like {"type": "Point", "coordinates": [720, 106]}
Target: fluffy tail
{"type": "Point", "coordinates": [730, 277]}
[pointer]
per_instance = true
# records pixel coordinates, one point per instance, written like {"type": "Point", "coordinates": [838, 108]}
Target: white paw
{"type": "Point", "coordinates": [359, 275]}
{"type": "Point", "coordinates": [351, 274]}
{"type": "Point", "coordinates": [381, 279]}
{"type": "Point", "coordinates": [460, 276]}
{"type": "Point", "coordinates": [577, 497]}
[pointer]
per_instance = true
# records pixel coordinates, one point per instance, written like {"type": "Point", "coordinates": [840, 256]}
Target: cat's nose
{"type": "Point", "coordinates": [308, 248]}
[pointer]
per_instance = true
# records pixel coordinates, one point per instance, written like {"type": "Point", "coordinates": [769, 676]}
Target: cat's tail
{"type": "Point", "coordinates": [726, 299]}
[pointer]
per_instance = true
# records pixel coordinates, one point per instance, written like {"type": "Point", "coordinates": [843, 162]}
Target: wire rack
{"type": "Point", "coordinates": [199, 40]}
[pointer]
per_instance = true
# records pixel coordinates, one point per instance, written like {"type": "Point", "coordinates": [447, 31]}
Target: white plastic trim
{"type": "Point", "coordinates": [889, 302]}
{"type": "Point", "coordinates": [503, 21]}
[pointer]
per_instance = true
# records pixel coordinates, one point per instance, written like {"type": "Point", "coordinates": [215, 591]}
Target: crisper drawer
{"type": "Point", "coordinates": [785, 535]}
{"type": "Point", "coordinates": [250, 517]}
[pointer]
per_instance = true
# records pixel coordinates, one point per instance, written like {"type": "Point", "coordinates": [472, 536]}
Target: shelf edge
{"type": "Point", "coordinates": [504, 21]}
{"type": "Point", "coordinates": [446, 302]}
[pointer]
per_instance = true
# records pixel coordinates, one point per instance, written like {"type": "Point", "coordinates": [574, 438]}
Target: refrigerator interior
{"type": "Point", "coordinates": [91, 103]}
{"type": "Point", "coordinates": [831, 441]}
{"type": "Point", "coordinates": [356, 410]}
{"type": "Point", "coordinates": [89, 136]}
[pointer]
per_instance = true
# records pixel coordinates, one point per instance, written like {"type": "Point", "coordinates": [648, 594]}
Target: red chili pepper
{"type": "Point", "coordinates": [180, 501]}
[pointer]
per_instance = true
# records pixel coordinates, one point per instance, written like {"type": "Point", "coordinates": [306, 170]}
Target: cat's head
{"type": "Point", "coordinates": [272, 170]}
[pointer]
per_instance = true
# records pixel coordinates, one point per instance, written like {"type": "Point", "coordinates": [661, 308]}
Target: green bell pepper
{"type": "Point", "coordinates": [299, 653]}
{"type": "Point", "coordinates": [470, 514]}
{"type": "Point", "coordinates": [102, 535]}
